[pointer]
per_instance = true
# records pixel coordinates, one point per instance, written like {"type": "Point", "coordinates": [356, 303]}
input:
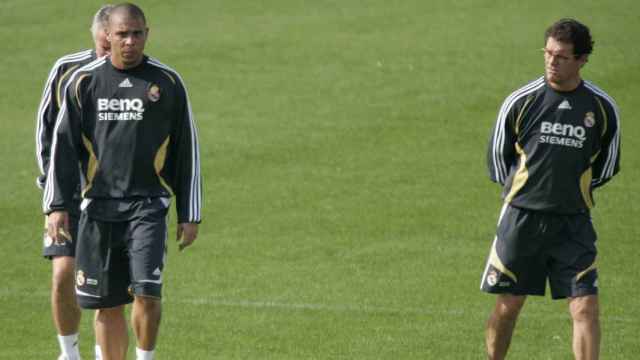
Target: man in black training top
{"type": "Point", "coordinates": [556, 139]}
{"type": "Point", "coordinates": [64, 307]}
{"type": "Point", "coordinates": [127, 120]}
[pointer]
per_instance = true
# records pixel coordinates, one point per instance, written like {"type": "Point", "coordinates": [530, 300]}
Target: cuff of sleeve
{"type": "Point", "coordinates": [53, 209]}
{"type": "Point", "coordinates": [184, 220]}
{"type": "Point", "coordinates": [40, 181]}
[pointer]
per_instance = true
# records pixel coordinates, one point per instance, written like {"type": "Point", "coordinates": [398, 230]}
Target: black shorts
{"type": "Point", "coordinates": [117, 260]}
{"type": "Point", "coordinates": [67, 248]}
{"type": "Point", "coordinates": [531, 246]}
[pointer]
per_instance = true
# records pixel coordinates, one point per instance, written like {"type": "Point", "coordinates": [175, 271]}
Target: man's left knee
{"type": "Point", "coordinates": [584, 308]}
{"type": "Point", "coordinates": [110, 313]}
{"type": "Point", "coordinates": [148, 303]}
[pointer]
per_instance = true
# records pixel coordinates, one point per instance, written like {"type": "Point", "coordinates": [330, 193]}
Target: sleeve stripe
{"type": "Point", "coordinates": [195, 192]}
{"type": "Point", "coordinates": [49, 188]}
{"type": "Point", "coordinates": [499, 165]}
{"type": "Point", "coordinates": [612, 156]}
{"type": "Point", "coordinates": [46, 100]}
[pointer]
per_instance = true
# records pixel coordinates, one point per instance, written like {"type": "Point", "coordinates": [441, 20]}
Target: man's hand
{"type": "Point", "coordinates": [58, 227]}
{"type": "Point", "coordinates": [187, 233]}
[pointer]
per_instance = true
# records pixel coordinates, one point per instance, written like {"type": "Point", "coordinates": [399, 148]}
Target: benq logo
{"type": "Point", "coordinates": [120, 105]}
{"type": "Point", "coordinates": [120, 109]}
{"type": "Point", "coordinates": [577, 132]}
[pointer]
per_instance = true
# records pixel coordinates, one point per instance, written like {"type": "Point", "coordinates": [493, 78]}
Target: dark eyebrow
{"type": "Point", "coordinates": [125, 32]}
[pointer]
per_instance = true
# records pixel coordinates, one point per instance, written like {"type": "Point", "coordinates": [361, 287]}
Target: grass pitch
{"type": "Point", "coordinates": [347, 210]}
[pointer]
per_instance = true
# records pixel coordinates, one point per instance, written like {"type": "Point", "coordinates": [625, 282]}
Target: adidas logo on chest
{"type": "Point", "coordinates": [565, 105]}
{"type": "Point", "coordinates": [126, 83]}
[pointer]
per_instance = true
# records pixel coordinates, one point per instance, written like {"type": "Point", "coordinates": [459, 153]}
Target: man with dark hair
{"type": "Point", "coordinates": [66, 313]}
{"type": "Point", "coordinates": [572, 32]}
{"type": "Point", "coordinates": [555, 140]}
{"type": "Point", "coordinates": [127, 120]}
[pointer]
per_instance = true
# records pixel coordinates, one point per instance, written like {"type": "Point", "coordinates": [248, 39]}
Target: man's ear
{"type": "Point", "coordinates": [583, 59]}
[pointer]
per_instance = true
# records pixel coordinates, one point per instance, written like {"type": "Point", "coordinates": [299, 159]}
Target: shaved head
{"type": "Point", "coordinates": [128, 10]}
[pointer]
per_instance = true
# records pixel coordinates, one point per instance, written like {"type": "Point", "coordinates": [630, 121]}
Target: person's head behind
{"type": "Point", "coordinates": [568, 44]}
{"type": "Point", "coordinates": [127, 35]}
{"type": "Point", "coordinates": [99, 30]}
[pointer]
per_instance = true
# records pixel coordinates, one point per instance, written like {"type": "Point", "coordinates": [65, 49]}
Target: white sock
{"type": "Point", "coordinates": [98, 352]}
{"type": "Point", "coordinates": [143, 354]}
{"type": "Point", "coordinates": [69, 346]}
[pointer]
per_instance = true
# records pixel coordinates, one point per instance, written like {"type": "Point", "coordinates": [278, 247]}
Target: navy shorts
{"type": "Point", "coordinates": [117, 260]}
{"type": "Point", "coordinates": [52, 249]}
{"type": "Point", "coordinates": [531, 247]}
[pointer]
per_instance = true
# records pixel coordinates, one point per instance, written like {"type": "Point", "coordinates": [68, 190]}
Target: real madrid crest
{"type": "Point", "coordinates": [492, 278]}
{"type": "Point", "coordinates": [589, 119]}
{"type": "Point", "coordinates": [80, 278]}
{"type": "Point", "coordinates": [153, 93]}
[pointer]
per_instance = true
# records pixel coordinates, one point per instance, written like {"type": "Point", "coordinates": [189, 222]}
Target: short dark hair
{"type": "Point", "coordinates": [129, 9]}
{"type": "Point", "coordinates": [571, 31]}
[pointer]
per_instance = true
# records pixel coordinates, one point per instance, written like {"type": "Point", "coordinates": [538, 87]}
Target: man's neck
{"type": "Point", "coordinates": [122, 66]}
{"type": "Point", "coordinates": [566, 86]}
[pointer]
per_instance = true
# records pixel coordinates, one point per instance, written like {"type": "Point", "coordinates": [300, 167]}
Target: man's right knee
{"type": "Point", "coordinates": [509, 306]}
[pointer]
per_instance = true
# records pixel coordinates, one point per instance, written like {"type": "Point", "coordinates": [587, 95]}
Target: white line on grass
{"type": "Point", "coordinates": [368, 309]}
{"type": "Point", "coordinates": [6, 293]}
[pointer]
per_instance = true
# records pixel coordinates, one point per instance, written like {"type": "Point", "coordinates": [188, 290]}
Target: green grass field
{"type": "Point", "coordinates": [347, 211]}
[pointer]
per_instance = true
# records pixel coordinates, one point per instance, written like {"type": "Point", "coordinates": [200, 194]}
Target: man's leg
{"type": "Point", "coordinates": [145, 319]}
{"type": "Point", "coordinates": [146, 253]}
{"type": "Point", "coordinates": [111, 333]}
{"type": "Point", "coordinates": [586, 327]}
{"type": "Point", "coordinates": [66, 313]}
{"type": "Point", "coordinates": [501, 323]}
{"type": "Point", "coordinates": [64, 307]}
{"type": "Point", "coordinates": [98, 352]}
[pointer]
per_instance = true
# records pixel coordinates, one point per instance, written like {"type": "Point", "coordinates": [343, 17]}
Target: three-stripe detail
{"type": "Point", "coordinates": [500, 168]}
{"type": "Point", "coordinates": [613, 150]}
{"type": "Point", "coordinates": [47, 98]}
{"type": "Point", "coordinates": [195, 186]}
